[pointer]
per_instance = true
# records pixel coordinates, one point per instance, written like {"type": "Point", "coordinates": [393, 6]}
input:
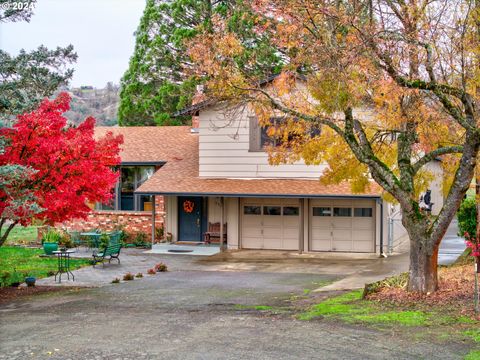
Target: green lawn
{"type": "Point", "coordinates": [22, 235]}
{"type": "Point", "coordinates": [17, 262]}
{"type": "Point", "coordinates": [351, 308]}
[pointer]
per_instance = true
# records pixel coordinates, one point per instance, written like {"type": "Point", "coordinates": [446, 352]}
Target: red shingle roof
{"type": "Point", "coordinates": [150, 144]}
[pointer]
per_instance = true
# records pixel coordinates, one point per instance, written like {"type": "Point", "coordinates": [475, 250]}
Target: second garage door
{"type": "Point", "coordinates": [342, 225]}
{"type": "Point", "coordinates": [270, 224]}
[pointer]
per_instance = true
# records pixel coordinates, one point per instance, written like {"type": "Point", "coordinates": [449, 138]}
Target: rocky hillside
{"type": "Point", "coordinates": [102, 104]}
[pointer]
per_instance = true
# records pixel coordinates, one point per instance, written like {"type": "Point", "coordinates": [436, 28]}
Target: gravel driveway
{"type": "Point", "coordinates": [193, 314]}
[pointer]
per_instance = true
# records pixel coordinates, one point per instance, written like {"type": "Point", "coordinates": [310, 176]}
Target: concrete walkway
{"type": "Point", "coordinates": [192, 314]}
{"type": "Point", "coordinates": [354, 269]}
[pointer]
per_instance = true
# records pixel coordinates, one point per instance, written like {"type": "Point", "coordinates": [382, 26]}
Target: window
{"type": "Point", "coordinates": [344, 212]}
{"type": "Point", "coordinates": [291, 210]}
{"type": "Point", "coordinates": [322, 211]}
{"type": "Point", "coordinates": [252, 210]}
{"type": "Point", "coordinates": [272, 210]}
{"type": "Point", "coordinates": [259, 138]}
{"type": "Point", "coordinates": [127, 186]}
{"type": "Point", "coordinates": [363, 212]}
{"type": "Point", "coordinates": [131, 177]}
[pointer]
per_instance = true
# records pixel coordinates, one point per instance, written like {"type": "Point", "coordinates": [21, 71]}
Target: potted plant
{"type": "Point", "coordinates": [50, 241]}
{"type": "Point", "coordinates": [30, 280]}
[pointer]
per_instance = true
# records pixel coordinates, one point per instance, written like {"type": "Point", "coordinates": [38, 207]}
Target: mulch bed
{"type": "Point", "coordinates": [456, 288]}
{"type": "Point", "coordinates": [9, 294]}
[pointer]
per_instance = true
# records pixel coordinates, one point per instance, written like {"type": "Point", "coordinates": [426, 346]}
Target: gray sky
{"type": "Point", "coordinates": [101, 32]}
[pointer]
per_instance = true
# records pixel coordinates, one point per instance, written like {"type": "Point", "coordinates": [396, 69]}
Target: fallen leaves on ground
{"type": "Point", "coordinates": [456, 292]}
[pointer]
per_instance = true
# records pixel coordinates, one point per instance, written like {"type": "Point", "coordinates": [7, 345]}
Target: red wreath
{"type": "Point", "coordinates": [188, 206]}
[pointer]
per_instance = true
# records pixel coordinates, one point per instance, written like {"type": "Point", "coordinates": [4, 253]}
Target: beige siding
{"type": "Point", "coordinates": [435, 167]}
{"type": "Point", "coordinates": [224, 151]}
{"type": "Point", "coordinates": [171, 220]}
{"type": "Point", "coordinates": [230, 217]}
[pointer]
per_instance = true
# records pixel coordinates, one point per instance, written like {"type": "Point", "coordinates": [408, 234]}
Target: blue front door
{"type": "Point", "coordinates": [190, 218]}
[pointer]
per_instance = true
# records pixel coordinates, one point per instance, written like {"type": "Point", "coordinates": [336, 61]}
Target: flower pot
{"type": "Point", "coordinates": [30, 281]}
{"type": "Point", "coordinates": [49, 247]}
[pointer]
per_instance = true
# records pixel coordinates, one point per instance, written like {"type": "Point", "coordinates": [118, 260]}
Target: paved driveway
{"type": "Point", "coordinates": [194, 313]}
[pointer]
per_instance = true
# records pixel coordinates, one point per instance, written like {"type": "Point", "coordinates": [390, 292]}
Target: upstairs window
{"type": "Point", "coordinates": [259, 138]}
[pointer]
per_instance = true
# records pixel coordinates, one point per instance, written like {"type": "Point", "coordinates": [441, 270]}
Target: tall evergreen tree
{"type": "Point", "coordinates": [160, 79]}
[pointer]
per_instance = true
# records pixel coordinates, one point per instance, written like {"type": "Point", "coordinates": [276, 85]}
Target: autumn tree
{"type": "Point", "coordinates": [66, 167]}
{"type": "Point", "coordinates": [409, 65]}
{"type": "Point", "coordinates": [159, 80]}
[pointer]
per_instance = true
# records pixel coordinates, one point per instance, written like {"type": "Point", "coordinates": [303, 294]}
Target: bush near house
{"type": "Point", "coordinates": [467, 217]}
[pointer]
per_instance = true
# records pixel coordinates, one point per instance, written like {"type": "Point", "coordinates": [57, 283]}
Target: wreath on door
{"type": "Point", "coordinates": [188, 206]}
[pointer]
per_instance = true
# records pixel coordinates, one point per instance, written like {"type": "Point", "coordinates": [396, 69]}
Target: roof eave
{"type": "Point", "coordinates": [143, 163]}
{"type": "Point", "coordinates": [251, 195]}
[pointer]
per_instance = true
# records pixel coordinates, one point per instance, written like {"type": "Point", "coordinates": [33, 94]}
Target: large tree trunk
{"type": "Point", "coordinates": [4, 236]}
{"type": "Point", "coordinates": [423, 267]}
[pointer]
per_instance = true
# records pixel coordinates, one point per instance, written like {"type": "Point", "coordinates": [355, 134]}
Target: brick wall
{"type": "Point", "coordinates": [132, 221]}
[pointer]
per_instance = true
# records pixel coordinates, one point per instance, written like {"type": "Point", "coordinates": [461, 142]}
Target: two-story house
{"type": "Point", "coordinates": [217, 172]}
{"type": "Point", "coordinates": [223, 176]}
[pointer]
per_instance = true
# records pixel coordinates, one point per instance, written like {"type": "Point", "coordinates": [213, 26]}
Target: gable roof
{"type": "Point", "coordinates": [180, 177]}
{"type": "Point", "coordinates": [150, 145]}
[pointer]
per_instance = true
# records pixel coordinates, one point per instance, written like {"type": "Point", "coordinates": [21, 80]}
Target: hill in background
{"type": "Point", "coordinates": [102, 104]}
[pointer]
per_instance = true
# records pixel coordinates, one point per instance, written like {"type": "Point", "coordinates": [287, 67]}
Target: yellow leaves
{"type": "Point", "coordinates": [284, 83]}
{"type": "Point", "coordinates": [228, 46]}
{"type": "Point", "coordinates": [335, 91]}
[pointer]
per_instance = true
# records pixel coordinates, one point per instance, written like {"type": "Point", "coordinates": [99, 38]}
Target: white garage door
{"type": "Point", "coordinates": [270, 224]}
{"type": "Point", "coordinates": [342, 225]}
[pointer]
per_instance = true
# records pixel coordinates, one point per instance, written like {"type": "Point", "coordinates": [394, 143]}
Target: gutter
{"type": "Point", "coordinates": [295, 196]}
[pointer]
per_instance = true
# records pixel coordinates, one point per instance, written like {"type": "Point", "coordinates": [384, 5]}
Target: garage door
{"type": "Point", "coordinates": [270, 224]}
{"type": "Point", "coordinates": [342, 225]}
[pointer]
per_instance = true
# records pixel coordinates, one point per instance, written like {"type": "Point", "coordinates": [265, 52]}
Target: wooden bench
{"type": "Point", "coordinates": [111, 251]}
{"type": "Point", "coordinates": [214, 232]}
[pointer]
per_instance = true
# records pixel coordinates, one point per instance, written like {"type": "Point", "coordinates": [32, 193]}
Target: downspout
{"type": "Point", "coordinates": [382, 254]}
{"type": "Point", "coordinates": [153, 220]}
{"type": "Point", "coordinates": [222, 245]}
{"type": "Point", "coordinates": [301, 227]}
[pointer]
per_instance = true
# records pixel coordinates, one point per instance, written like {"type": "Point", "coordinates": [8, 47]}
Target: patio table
{"type": "Point", "coordinates": [63, 264]}
{"type": "Point", "coordinates": [93, 236]}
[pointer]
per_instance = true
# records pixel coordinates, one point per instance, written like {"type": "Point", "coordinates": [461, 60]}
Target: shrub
{"type": "Point", "coordinates": [128, 276]}
{"type": "Point", "coordinates": [161, 267]}
{"type": "Point", "coordinates": [65, 240]}
{"type": "Point", "coordinates": [151, 272]}
{"type": "Point", "coordinates": [116, 281]}
{"type": "Point", "coordinates": [104, 239]}
{"type": "Point", "coordinates": [125, 236]}
{"type": "Point", "coordinates": [139, 275]}
{"type": "Point", "coordinates": [467, 217]}
{"type": "Point", "coordinates": [51, 236]}
{"type": "Point", "coordinates": [140, 239]}
{"type": "Point", "coordinates": [159, 232]}
{"type": "Point", "coordinates": [398, 281]}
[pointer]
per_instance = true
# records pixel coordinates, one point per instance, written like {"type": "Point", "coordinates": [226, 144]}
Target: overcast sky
{"type": "Point", "coordinates": [101, 32]}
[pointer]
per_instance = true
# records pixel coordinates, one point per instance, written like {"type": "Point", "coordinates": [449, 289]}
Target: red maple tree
{"type": "Point", "coordinates": [69, 166]}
